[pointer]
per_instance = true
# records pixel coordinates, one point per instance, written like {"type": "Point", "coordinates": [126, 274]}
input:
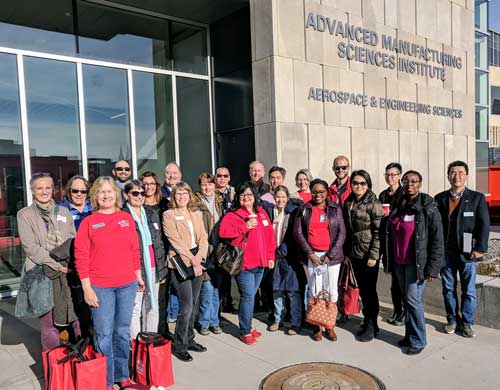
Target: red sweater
{"type": "Point", "coordinates": [107, 249]}
{"type": "Point", "coordinates": [261, 242]}
{"type": "Point", "coordinates": [319, 230]}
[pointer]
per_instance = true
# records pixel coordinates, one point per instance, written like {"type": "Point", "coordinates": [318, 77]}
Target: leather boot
{"type": "Point", "coordinates": [368, 333]}
{"type": "Point", "coordinates": [331, 335]}
{"type": "Point", "coordinates": [318, 333]}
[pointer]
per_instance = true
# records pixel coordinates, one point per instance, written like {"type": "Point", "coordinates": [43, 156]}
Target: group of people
{"type": "Point", "coordinates": [138, 243]}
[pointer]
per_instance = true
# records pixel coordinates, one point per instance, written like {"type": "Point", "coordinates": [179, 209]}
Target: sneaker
{"type": "Point", "coordinates": [468, 332]}
{"type": "Point", "coordinates": [294, 330]}
{"type": "Point", "coordinates": [204, 331]}
{"type": "Point", "coordinates": [248, 339]}
{"type": "Point", "coordinates": [399, 320]}
{"type": "Point", "coordinates": [274, 327]}
{"type": "Point", "coordinates": [413, 351]}
{"type": "Point", "coordinates": [171, 320]}
{"type": "Point", "coordinates": [404, 342]}
{"type": "Point", "coordinates": [216, 329]}
{"type": "Point", "coordinates": [255, 333]}
{"type": "Point", "coordinates": [450, 328]}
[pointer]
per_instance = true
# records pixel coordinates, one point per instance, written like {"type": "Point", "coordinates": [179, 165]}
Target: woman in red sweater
{"type": "Point", "coordinates": [107, 259]}
{"type": "Point", "coordinates": [247, 226]}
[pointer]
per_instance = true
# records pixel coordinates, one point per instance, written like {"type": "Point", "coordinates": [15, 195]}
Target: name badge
{"type": "Point", "coordinates": [468, 213]}
{"type": "Point", "coordinates": [409, 218]}
{"type": "Point", "coordinates": [265, 223]}
{"type": "Point", "coordinates": [61, 218]}
{"type": "Point", "coordinates": [98, 225]}
{"type": "Point", "coordinates": [179, 218]}
{"type": "Point", "coordinates": [155, 225]}
{"type": "Point", "coordinates": [322, 218]}
{"type": "Point", "coordinates": [75, 217]}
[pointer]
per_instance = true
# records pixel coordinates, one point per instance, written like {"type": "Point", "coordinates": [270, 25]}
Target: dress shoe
{"type": "Point", "coordinates": [129, 385]}
{"type": "Point", "coordinates": [331, 335]}
{"type": "Point", "coordinates": [182, 356]}
{"type": "Point", "coordinates": [318, 334]}
{"type": "Point", "coordinates": [197, 348]}
{"type": "Point", "coordinates": [404, 342]}
{"type": "Point", "coordinates": [413, 351]}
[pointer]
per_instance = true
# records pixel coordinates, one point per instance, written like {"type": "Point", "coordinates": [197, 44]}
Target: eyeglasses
{"type": "Point", "coordinates": [77, 191]}
{"type": "Point", "coordinates": [359, 183]}
{"type": "Point", "coordinates": [391, 175]}
{"type": "Point", "coordinates": [459, 174]}
{"type": "Point", "coordinates": [181, 194]}
{"type": "Point", "coordinates": [119, 169]}
{"type": "Point", "coordinates": [317, 192]}
{"type": "Point", "coordinates": [408, 182]}
{"type": "Point", "coordinates": [246, 195]}
{"type": "Point", "coordinates": [222, 175]}
{"type": "Point", "coordinates": [341, 167]}
{"type": "Point", "coordinates": [137, 193]}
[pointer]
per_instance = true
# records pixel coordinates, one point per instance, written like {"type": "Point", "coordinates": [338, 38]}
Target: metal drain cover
{"type": "Point", "coordinates": [321, 376]}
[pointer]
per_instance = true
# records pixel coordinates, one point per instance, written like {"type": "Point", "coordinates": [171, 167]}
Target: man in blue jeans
{"type": "Point", "coordinates": [466, 231]}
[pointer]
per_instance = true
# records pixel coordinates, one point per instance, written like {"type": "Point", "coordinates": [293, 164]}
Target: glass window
{"type": "Point", "coordinates": [482, 123]}
{"type": "Point", "coordinates": [189, 49]}
{"type": "Point", "coordinates": [53, 119]}
{"type": "Point", "coordinates": [495, 100]}
{"type": "Point", "coordinates": [481, 81]}
{"type": "Point", "coordinates": [481, 50]}
{"type": "Point", "coordinates": [115, 35]}
{"type": "Point", "coordinates": [106, 118]}
{"type": "Point", "coordinates": [45, 26]}
{"type": "Point", "coordinates": [154, 129]}
{"type": "Point", "coordinates": [12, 187]}
{"type": "Point", "coordinates": [194, 128]}
{"type": "Point", "coordinates": [481, 15]}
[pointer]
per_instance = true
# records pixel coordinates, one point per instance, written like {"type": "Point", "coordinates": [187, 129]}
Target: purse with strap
{"type": "Point", "coordinates": [348, 289]}
{"type": "Point", "coordinates": [321, 310]}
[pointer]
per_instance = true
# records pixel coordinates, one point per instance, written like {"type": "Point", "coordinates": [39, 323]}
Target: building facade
{"type": "Point", "coordinates": [84, 83]}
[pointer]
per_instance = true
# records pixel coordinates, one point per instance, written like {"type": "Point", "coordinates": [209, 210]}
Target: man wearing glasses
{"type": "Point", "coordinates": [121, 173]}
{"type": "Point", "coordinates": [222, 178]}
{"type": "Point", "coordinates": [173, 175]}
{"type": "Point", "coordinates": [340, 189]}
{"type": "Point", "coordinates": [466, 226]}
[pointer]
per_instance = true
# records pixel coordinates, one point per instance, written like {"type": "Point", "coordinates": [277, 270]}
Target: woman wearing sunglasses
{"type": "Point", "coordinates": [415, 252]}
{"type": "Point", "coordinates": [363, 214]}
{"type": "Point", "coordinates": [145, 313]}
{"type": "Point", "coordinates": [76, 199]}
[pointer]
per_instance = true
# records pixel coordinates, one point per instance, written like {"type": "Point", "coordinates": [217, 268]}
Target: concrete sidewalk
{"type": "Point", "coordinates": [448, 362]}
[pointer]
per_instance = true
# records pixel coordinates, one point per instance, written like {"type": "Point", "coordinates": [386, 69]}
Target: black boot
{"type": "Point", "coordinates": [368, 333]}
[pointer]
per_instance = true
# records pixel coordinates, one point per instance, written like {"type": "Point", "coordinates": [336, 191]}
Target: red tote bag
{"type": "Point", "coordinates": [74, 367]}
{"type": "Point", "coordinates": [152, 360]}
{"type": "Point", "coordinates": [348, 289]}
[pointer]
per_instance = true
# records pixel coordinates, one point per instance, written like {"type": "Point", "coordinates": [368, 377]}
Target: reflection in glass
{"type": "Point", "coordinates": [481, 81]}
{"type": "Point", "coordinates": [189, 49]}
{"type": "Point", "coordinates": [154, 130]}
{"type": "Point", "coordinates": [12, 191]}
{"type": "Point", "coordinates": [481, 50]}
{"type": "Point", "coordinates": [194, 128]}
{"type": "Point", "coordinates": [53, 120]}
{"type": "Point", "coordinates": [45, 26]}
{"type": "Point", "coordinates": [482, 123]}
{"type": "Point", "coordinates": [106, 118]}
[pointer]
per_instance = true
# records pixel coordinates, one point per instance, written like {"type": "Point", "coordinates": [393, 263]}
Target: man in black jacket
{"type": "Point", "coordinates": [466, 231]}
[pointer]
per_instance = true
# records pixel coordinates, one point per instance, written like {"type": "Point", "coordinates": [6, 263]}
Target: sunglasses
{"type": "Point", "coordinates": [221, 175]}
{"type": "Point", "coordinates": [341, 167]}
{"type": "Point", "coordinates": [76, 191]}
{"type": "Point", "coordinates": [119, 169]}
{"type": "Point", "coordinates": [359, 183]}
{"type": "Point", "coordinates": [137, 193]}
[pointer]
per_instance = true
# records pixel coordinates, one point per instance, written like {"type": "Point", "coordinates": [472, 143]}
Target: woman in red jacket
{"type": "Point", "coordinates": [247, 226]}
{"type": "Point", "coordinates": [107, 258]}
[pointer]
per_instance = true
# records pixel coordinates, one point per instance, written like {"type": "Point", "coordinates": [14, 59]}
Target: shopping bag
{"type": "Point", "coordinates": [152, 360]}
{"type": "Point", "coordinates": [348, 289]}
{"type": "Point", "coordinates": [74, 367]}
{"type": "Point", "coordinates": [321, 310]}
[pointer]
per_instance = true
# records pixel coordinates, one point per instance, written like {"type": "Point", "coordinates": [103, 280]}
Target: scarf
{"type": "Point", "coordinates": [48, 213]}
{"type": "Point", "coordinates": [142, 224]}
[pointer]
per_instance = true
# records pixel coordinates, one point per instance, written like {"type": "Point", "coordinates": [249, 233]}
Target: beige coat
{"type": "Point", "coordinates": [33, 234]}
{"type": "Point", "coordinates": [176, 229]}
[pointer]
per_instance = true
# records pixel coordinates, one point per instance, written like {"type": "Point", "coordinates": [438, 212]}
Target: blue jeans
{"type": "Point", "coordinates": [413, 291]}
{"type": "Point", "coordinates": [172, 307]}
{"type": "Point", "coordinates": [467, 274]}
{"type": "Point", "coordinates": [295, 306]}
{"type": "Point", "coordinates": [112, 328]}
{"type": "Point", "coordinates": [248, 282]}
{"type": "Point", "coordinates": [209, 305]}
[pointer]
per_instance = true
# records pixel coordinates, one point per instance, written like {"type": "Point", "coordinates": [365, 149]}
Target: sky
{"type": "Point", "coordinates": [495, 15]}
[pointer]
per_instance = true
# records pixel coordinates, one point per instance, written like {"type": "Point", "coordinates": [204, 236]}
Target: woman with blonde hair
{"type": "Point", "coordinates": [183, 226]}
{"type": "Point", "coordinates": [303, 178]}
{"type": "Point", "coordinates": [108, 263]}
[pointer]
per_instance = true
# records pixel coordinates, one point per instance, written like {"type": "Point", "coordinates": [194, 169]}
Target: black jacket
{"type": "Point", "coordinates": [429, 241]}
{"type": "Point", "coordinates": [472, 218]}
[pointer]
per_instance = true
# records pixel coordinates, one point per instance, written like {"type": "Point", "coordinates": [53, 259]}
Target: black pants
{"type": "Point", "coordinates": [396, 294]}
{"type": "Point", "coordinates": [162, 308]}
{"type": "Point", "coordinates": [225, 290]}
{"type": "Point", "coordinates": [367, 281]}
{"type": "Point", "coordinates": [188, 292]}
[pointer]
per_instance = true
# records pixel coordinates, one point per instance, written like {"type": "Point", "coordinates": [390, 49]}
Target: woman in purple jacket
{"type": "Point", "coordinates": [320, 234]}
